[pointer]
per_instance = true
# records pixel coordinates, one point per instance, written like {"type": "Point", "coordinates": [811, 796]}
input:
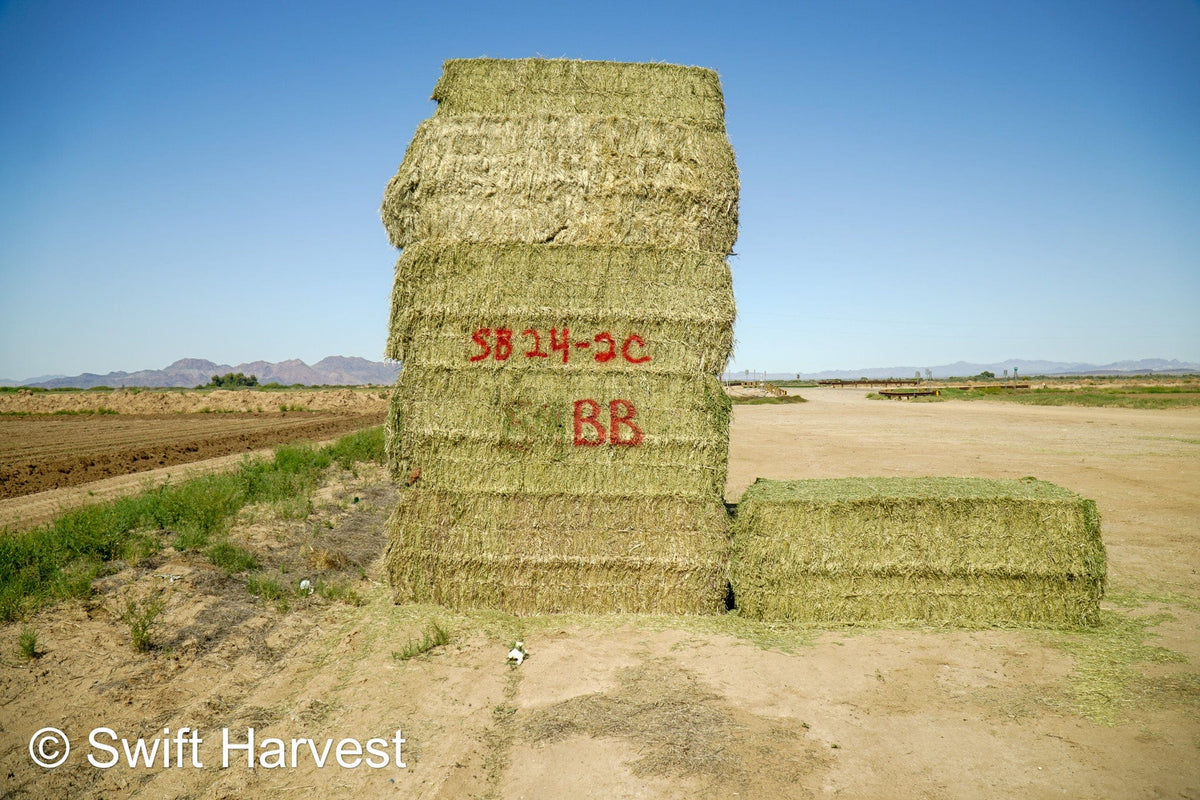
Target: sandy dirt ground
{"type": "Point", "coordinates": [646, 707]}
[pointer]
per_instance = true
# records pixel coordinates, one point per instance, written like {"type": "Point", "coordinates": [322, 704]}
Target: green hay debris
{"type": "Point", "coordinates": [950, 551]}
{"type": "Point", "coordinates": [1108, 682]}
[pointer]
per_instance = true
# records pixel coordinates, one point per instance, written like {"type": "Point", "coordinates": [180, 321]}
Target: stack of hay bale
{"type": "Point", "coordinates": [563, 309]}
{"type": "Point", "coordinates": [951, 551]}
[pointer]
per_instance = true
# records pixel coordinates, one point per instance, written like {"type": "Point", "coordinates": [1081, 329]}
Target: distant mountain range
{"type": "Point", "coordinates": [331, 371]}
{"type": "Point", "coordinates": [963, 369]}
{"type": "Point", "coordinates": [354, 371]}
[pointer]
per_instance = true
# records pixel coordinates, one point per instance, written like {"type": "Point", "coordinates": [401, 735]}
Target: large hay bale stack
{"type": "Point", "coordinates": [954, 551]}
{"type": "Point", "coordinates": [563, 308]}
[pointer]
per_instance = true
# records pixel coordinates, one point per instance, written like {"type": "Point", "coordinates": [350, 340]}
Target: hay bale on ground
{"type": "Point", "coordinates": [563, 308]}
{"type": "Point", "coordinates": [953, 551]}
{"type": "Point", "coordinates": [549, 553]}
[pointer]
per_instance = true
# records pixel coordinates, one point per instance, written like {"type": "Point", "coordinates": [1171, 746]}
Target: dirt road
{"type": "Point", "coordinates": [637, 707]}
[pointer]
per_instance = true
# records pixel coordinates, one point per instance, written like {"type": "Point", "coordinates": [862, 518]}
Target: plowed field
{"type": "Point", "coordinates": [40, 452]}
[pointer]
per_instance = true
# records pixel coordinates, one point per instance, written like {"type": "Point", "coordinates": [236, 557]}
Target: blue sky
{"type": "Point", "coordinates": [922, 182]}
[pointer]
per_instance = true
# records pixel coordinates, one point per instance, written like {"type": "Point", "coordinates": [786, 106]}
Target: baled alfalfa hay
{"type": "Point", "coordinates": [520, 87]}
{"type": "Point", "coordinates": [563, 308]}
{"type": "Point", "coordinates": [946, 551]}
{"type": "Point", "coordinates": [681, 301]}
{"type": "Point", "coordinates": [564, 552]}
{"type": "Point", "coordinates": [620, 154]}
{"type": "Point", "coordinates": [545, 433]}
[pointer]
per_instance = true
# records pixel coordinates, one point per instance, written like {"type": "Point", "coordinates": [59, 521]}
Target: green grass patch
{"type": "Point", "coordinates": [364, 445]}
{"type": "Point", "coordinates": [768, 401]}
{"type": "Point", "coordinates": [231, 558]}
{"type": "Point", "coordinates": [921, 398]}
{"type": "Point", "coordinates": [435, 636]}
{"type": "Point", "coordinates": [339, 593]}
{"type": "Point", "coordinates": [269, 589]}
{"type": "Point", "coordinates": [60, 560]}
{"type": "Point", "coordinates": [1141, 397]}
{"type": "Point", "coordinates": [140, 618]}
{"type": "Point", "coordinates": [27, 642]}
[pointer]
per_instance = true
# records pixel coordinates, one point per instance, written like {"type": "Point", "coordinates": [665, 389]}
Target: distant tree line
{"type": "Point", "coordinates": [232, 380]}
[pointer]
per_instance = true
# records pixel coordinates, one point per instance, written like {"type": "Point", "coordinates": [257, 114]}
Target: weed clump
{"type": "Point", "coordinates": [27, 642]}
{"type": "Point", "coordinates": [435, 636]}
{"type": "Point", "coordinates": [231, 558]}
{"type": "Point", "coordinates": [140, 617]}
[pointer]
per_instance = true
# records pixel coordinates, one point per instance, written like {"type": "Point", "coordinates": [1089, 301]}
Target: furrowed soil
{"type": "Point", "coordinates": [41, 453]}
{"type": "Point", "coordinates": [644, 707]}
{"type": "Point", "coordinates": [52, 440]}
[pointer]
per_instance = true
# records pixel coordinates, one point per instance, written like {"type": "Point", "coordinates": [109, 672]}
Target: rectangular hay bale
{"type": "Point", "coordinates": [531, 585]}
{"type": "Point", "coordinates": [678, 303]}
{"type": "Point", "coordinates": [559, 553]}
{"type": "Point", "coordinates": [563, 86]}
{"type": "Point", "coordinates": [567, 181]}
{"type": "Point", "coordinates": [951, 551]}
{"type": "Point", "coordinates": [500, 430]}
